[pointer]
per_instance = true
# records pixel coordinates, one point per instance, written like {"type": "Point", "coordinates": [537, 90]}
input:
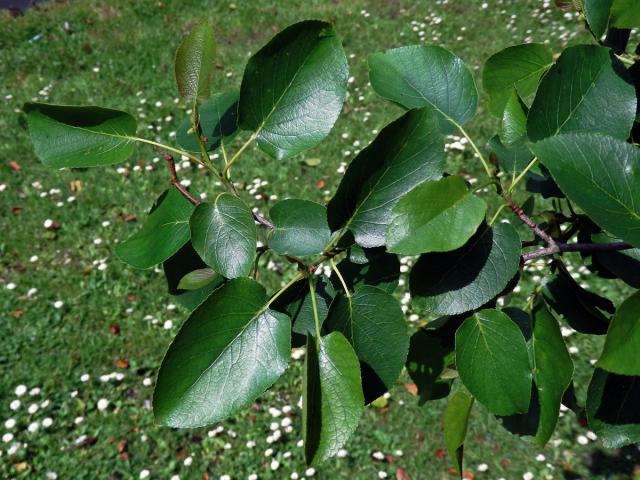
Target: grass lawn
{"type": "Point", "coordinates": [85, 333]}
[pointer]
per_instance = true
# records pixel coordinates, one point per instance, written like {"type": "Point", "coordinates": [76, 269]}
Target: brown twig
{"type": "Point", "coordinates": [263, 221]}
{"type": "Point", "coordinates": [576, 247]}
{"type": "Point", "coordinates": [174, 178]}
{"type": "Point", "coordinates": [515, 208]}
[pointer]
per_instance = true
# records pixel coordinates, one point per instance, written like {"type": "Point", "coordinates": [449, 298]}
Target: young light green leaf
{"type": "Point", "coordinates": [456, 420]}
{"type": "Point", "coordinates": [218, 123]}
{"type": "Point", "coordinates": [224, 235]}
{"type": "Point", "coordinates": [197, 279]}
{"type": "Point", "coordinates": [588, 90]}
{"type": "Point", "coordinates": [601, 175]}
{"type": "Point", "coordinates": [228, 352]}
{"type": "Point", "coordinates": [467, 278]}
{"type": "Point", "coordinates": [517, 67]}
{"type": "Point", "coordinates": [163, 234]}
{"type": "Point", "coordinates": [597, 14]}
{"type": "Point", "coordinates": [553, 369]}
{"type": "Point", "coordinates": [300, 228]}
{"type": "Point", "coordinates": [195, 63]}
{"type": "Point", "coordinates": [436, 216]}
{"type": "Point", "coordinates": [293, 89]}
{"type": "Point", "coordinates": [372, 321]}
{"type": "Point", "coordinates": [77, 137]}
{"type": "Point", "coordinates": [493, 362]}
{"type": "Point", "coordinates": [426, 76]}
{"type": "Point", "coordinates": [333, 400]}
{"type": "Point", "coordinates": [621, 348]}
{"type": "Point", "coordinates": [612, 408]}
{"type": "Point", "coordinates": [405, 153]}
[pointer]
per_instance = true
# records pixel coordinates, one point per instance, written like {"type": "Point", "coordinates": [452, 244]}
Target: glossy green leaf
{"type": "Point", "coordinates": [218, 123]}
{"type": "Point", "coordinates": [493, 362]}
{"type": "Point", "coordinates": [612, 408]}
{"type": "Point", "coordinates": [428, 356]}
{"type": "Point", "coordinates": [436, 216]}
{"type": "Point", "coordinates": [165, 231]}
{"type": "Point", "coordinates": [77, 137]}
{"type": "Point", "coordinates": [300, 228]}
{"type": "Point", "coordinates": [599, 174]}
{"type": "Point", "coordinates": [426, 76]}
{"type": "Point", "coordinates": [465, 279]}
{"type": "Point", "coordinates": [377, 268]}
{"type": "Point", "coordinates": [624, 264]}
{"type": "Point", "coordinates": [583, 310]}
{"type": "Point", "coordinates": [228, 352]}
{"type": "Point", "coordinates": [514, 121]}
{"type": "Point", "coordinates": [517, 67]}
{"type": "Point", "coordinates": [622, 347]}
{"type": "Point", "coordinates": [197, 279]}
{"type": "Point", "coordinates": [374, 324]}
{"type": "Point", "coordinates": [625, 14]}
{"type": "Point", "coordinates": [597, 14]}
{"type": "Point", "coordinates": [195, 63]}
{"type": "Point", "coordinates": [333, 400]}
{"type": "Point", "coordinates": [552, 372]}
{"type": "Point", "coordinates": [293, 89]}
{"type": "Point", "coordinates": [588, 91]}
{"type": "Point", "coordinates": [456, 421]}
{"type": "Point", "coordinates": [405, 153]}
{"type": "Point", "coordinates": [512, 160]}
{"type": "Point", "coordinates": [224, 235]}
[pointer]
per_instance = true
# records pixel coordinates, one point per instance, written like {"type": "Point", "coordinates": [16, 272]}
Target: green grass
{"type": "Point", "coordinates": [119, 54]}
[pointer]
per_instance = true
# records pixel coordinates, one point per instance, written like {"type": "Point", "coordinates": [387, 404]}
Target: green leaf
{"type": "Point", "coordinates": [597, 14]}
{"type": "Point", "coordinates": [77, 137]}
{"type": "Point", "coordinates": [612, 408]}
{"type": "Point", "coordinates": [228, 352]}
{"type": "Point", "coordinates": [621, 348]}
{"type": "Point", "coordinates": [218, 123]}
{"type": "Point", "coordinates": [512, 160]}
{"type": "Point", "coordinates": [163, 234]}
{"type": "Point", "coordinates": [493, 362]}
{"type": "Point", "coordinates": [514, 121]}
{"type": "Point", "coordinates": [373, 322]}
{"type": "Point", "coordinates": [456, 421]}
{"type": "Point", "coordinates": [300, 228]}
{"type": "Point", "coordinates": [195, 63]}
{"type": "Point", "coordinates": [583, 310]}
{"type": "Point", "coordinates": [587, 90]}
{"type": "Point", "coordinates": [293, 89]}
{"type": "Point", "coordinates": [465, 279]}
{"type": "Point", "coordinates": [224, 235]}
{"type": "Point", "coordinates": [429, 355]}
{"type": "Point", "coordinates": [517, 67]}
{"type": "Point", "coordinates": [552, 372]}
{"type": "Point", "coordinates": [333, 400]}
{"type": "Point", "coordinates": [625, 14]}
{"type": "Point", "coordinates": [377, 268]}
{"type": "Point", "coordinates": [436, 216]}
{"type": "Point", "coordinates": [197, 279]}
{"type": "Point", "coordinates": [599, 174]}
{"type": "Point", "coordinates": [426, 76]}
{"type": "Point", "coordinates": [624, 264]}
{"type": "Point", "coordinates": [405, 153]}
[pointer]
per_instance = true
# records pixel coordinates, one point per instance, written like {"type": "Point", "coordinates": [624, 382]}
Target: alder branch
{"type": "Point", "coordinates": [576, 247]}
{"type": "Point", "coordinates": [263, 221]}
{"type": "Point", "coordinates": [174, 178]}
{"type": "Point", "coordinates": [524, 218]}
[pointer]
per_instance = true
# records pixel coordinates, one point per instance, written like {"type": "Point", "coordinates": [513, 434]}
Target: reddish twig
{"type": "Point", "coordinates": [524, 218]}
{"type": "Point", "coordinates": [175, 181]}
{"type": "Point", "coordinates": [263, 221]}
